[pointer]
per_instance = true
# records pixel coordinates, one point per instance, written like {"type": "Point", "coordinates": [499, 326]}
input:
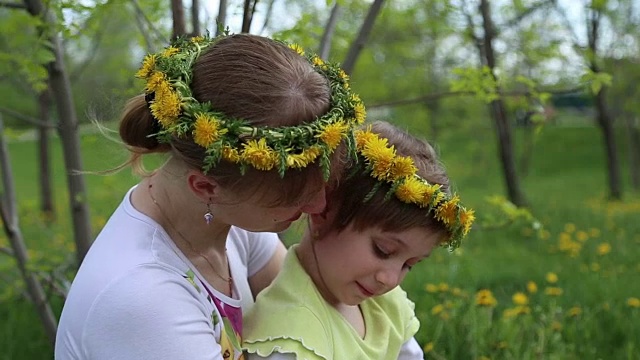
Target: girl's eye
{"type": "Point", "coordinates": [408, 267]}
{"type": "Point", "coordinates": [380, 252]}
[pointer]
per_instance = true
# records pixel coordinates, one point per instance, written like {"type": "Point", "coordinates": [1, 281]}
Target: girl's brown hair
{"type": "Point", "coordinates": [253, 78]}
{"type": "Point", "coordinates": [390, 214]}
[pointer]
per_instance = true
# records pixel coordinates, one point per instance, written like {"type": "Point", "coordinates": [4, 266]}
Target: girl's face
{"type": "Point", "coordinates": [356, 265]}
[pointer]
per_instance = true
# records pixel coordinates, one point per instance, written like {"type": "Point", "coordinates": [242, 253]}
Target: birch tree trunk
{"type": "Point", "coordinates": [363, 35]}
{"type": "Point", "coordinates": [68, 132]}
{"type": "Point", "coordinates": [329, 29]}
{"type": "Point", "coordinates": [9, 214]}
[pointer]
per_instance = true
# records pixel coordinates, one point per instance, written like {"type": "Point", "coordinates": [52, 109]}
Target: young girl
{"type": "Point", "coordinates": [337, 296]}
{"type": "Point", "coordinates": [251, 126]}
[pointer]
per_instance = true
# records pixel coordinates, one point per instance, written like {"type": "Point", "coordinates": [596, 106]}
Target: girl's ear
{"type": "Point", "coordinates": [202, 186]}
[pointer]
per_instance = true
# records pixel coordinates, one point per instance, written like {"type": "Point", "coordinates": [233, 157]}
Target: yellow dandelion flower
{"type": "Point", "coordinates": [332, 134]}
{"type": "Point", "coordinates": [297, 48]}
{"type": "Point", "coordinates": [170, 51]}
{"type": "Point", "coordinates": [363, 138]}
{"type": "Point", "coordinates": [604, 249]}
{"type": "Point", "coordinates": [428, 348]}
{"type": "Point", "coordinates": [437, 309]}
{"type": "Point", "coordinates": [197, 39]}
{"type": "Point", "coordinates": [574, 311]}
{"type": "Point", "coordinates": [430, 197]}
{"type": "Point", "coordinates": [230, 154]}
{"type": "Point", "coordinates": [447, 212]}
{"type": "Point", "coordinates": [259, 154]}
{"type": "Point", "coordinates": [551, 277]}
{"type": "Point", "coordinates": [582, 236]}
{"type": "Point", "coordinates": [380, 156]}
{"type": "Point", "coordinates": [532, 288]}
{"type": "Point", "coordinates": [307, 156]}
{"type": "Point", "coordinates": [556, 325]}
{"type": "Point", "coordinates": [360, 112]}
{"type": "Point", "coordinates": [411, 190]}
{"type": "Point", "coordinates": [402, 167]}
{"type": "Point", "coordinates": [484, 297]}
{"type": "Point", "coordinates": [166, 107]}
{"type": "Point", "coordinates": [467, 217]}
{"type": "Point", "coordinates": [431, 288]}
{"type": "Point", "coordinates": [553, 291]}
{"type": "Point", "coordinates": [148, 66]}
{"type": "Point", "coordinates": [207, 130]}
{"type": "Point", "coordinates": [343, 75]}
{"type": "Point", "coordinates": [157, 81]}
{"type": "Point", "coordinates": [443, 287]}
{"type": "Point", "coordinates": [633, 302]}
{"type": "Point", "coordinates": [520, 299]}
{"type": "Point", "coordinates": [317, 61]}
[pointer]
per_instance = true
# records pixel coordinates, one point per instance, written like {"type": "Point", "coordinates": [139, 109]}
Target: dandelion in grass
{"type": "Point", "coordinates": [553, 291]}
{"type": "Point", "coordinates": [551, 277]}
{"type": "Point", "coordinates": [544, 235]}
{"type": "Point", "coordinates": [574, 311]}
{"type": "Point", "coordinates": [484, 297]}
{"type": "Point", "coordinates": [603, 249]}
{"type": "Point", "coordinates": [456, 291]}
{"type": "Point", "coordinates": [582, 236]}
{"type": "Point", "coordinates": [431, 288]}
{"type": "Point", "coordinates": [532, 288]}
{"type": "Point", "coordinates": [443, 287]}
{"type": "Point", "coordinates": [428, 347]}
{"type": "Point", "coordinates": [520, 299]}
{"type": "Point", "coordinates": [594, 232]}
{"type": "Point", "coordinates": [437, 309]}
{"type": "Point", "coordinates": [633, 302]}
{"type": "Point", "coordinates": [556, 325]}
{"type": "Point", "coordinates": [569, 227]}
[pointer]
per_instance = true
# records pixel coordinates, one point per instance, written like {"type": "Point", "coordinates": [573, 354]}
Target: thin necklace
{"type": "Point", "coordinates": [228, 279]}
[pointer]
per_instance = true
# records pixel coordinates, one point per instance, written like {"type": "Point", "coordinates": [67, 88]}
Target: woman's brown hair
{"type": "Point", "coordinates": [253, 78]}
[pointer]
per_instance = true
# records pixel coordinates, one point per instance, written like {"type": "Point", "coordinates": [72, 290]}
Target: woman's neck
{"type": "Point", "coordinates": [166, 198]}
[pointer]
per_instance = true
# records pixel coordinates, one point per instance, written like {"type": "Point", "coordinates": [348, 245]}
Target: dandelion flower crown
{"type": "Point", "coordinates": [168, 76]}
{"type": "Point", "coordinates": [379, 159]}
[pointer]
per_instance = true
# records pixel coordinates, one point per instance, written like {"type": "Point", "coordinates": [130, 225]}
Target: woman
{"type": "Point", "coordinates": [251, 126]}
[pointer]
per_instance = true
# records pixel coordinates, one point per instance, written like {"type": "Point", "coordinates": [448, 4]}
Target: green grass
{"type": "Point", "coordinates": [566, 187]}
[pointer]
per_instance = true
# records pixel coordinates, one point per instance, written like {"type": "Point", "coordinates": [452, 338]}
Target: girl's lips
{"type": "Point", "coordinates": [364, 290]}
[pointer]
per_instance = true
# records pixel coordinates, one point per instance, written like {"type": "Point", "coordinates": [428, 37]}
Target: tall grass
{"type": "Point", "coordinates": [476, 303]}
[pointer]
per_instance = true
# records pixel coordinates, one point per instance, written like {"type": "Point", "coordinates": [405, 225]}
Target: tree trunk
{"type": "Point", "coordinates": [329, 29]}
{"type": "Point", "coordinates": [68, 132]}
{"type": "Point", "coordinates": [13, 233]}
{"type": "Point", "coordinates": [608, 135]}
{"type": "Point", "coordinates": [499, 114]}
{"type": "Point", "coordinates": [195, 17]}
{"type": "Point", "coordinates": [179, 25]}
{"type": "Point", "coordinates": [603, 117]}
{"type": "Point", "coordinates": [222, 17]}
{"type": "Point", "coordinates": [247, 14]}
{"type": "Point", "coordinates": [46, 192]}
{"type": "Point", "coordinates": [634, 151]}
{"type": "Point", "coordinates": [363, 35]}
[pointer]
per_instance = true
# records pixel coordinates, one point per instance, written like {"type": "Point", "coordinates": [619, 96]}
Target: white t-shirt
{"type": "Point", "coordinates": [136, 296]}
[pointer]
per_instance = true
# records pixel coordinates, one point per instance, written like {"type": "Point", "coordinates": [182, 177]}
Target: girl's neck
{"type": "Point", "coordinates": [309, 261]}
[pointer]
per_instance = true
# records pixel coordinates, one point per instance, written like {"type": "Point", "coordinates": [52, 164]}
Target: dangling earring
{"type": "Point", "coordinates": [208, 216]}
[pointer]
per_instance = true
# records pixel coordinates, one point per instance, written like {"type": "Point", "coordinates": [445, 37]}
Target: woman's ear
{"type": "Point", "coordinates": [202, 186]}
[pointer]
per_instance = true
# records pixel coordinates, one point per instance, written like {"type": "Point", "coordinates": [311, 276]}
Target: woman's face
{"type": "Point", "coordinates": [355, 265]}
{"type": "Point", "coordinates": [253, 216]}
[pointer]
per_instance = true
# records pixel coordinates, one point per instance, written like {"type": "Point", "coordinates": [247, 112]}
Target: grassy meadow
{"type": "Point", "coordinates": [561, 287]}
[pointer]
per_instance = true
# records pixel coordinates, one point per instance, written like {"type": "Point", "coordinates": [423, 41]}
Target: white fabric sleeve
{"type": "Point", "coordinates": [411, 350]}
{"type": "Point", "coordinates": [272, 356]}
{"type": "Point", "coordinates": [256, 249]}
{"type": "Point", "coordinates": [167, 322]}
